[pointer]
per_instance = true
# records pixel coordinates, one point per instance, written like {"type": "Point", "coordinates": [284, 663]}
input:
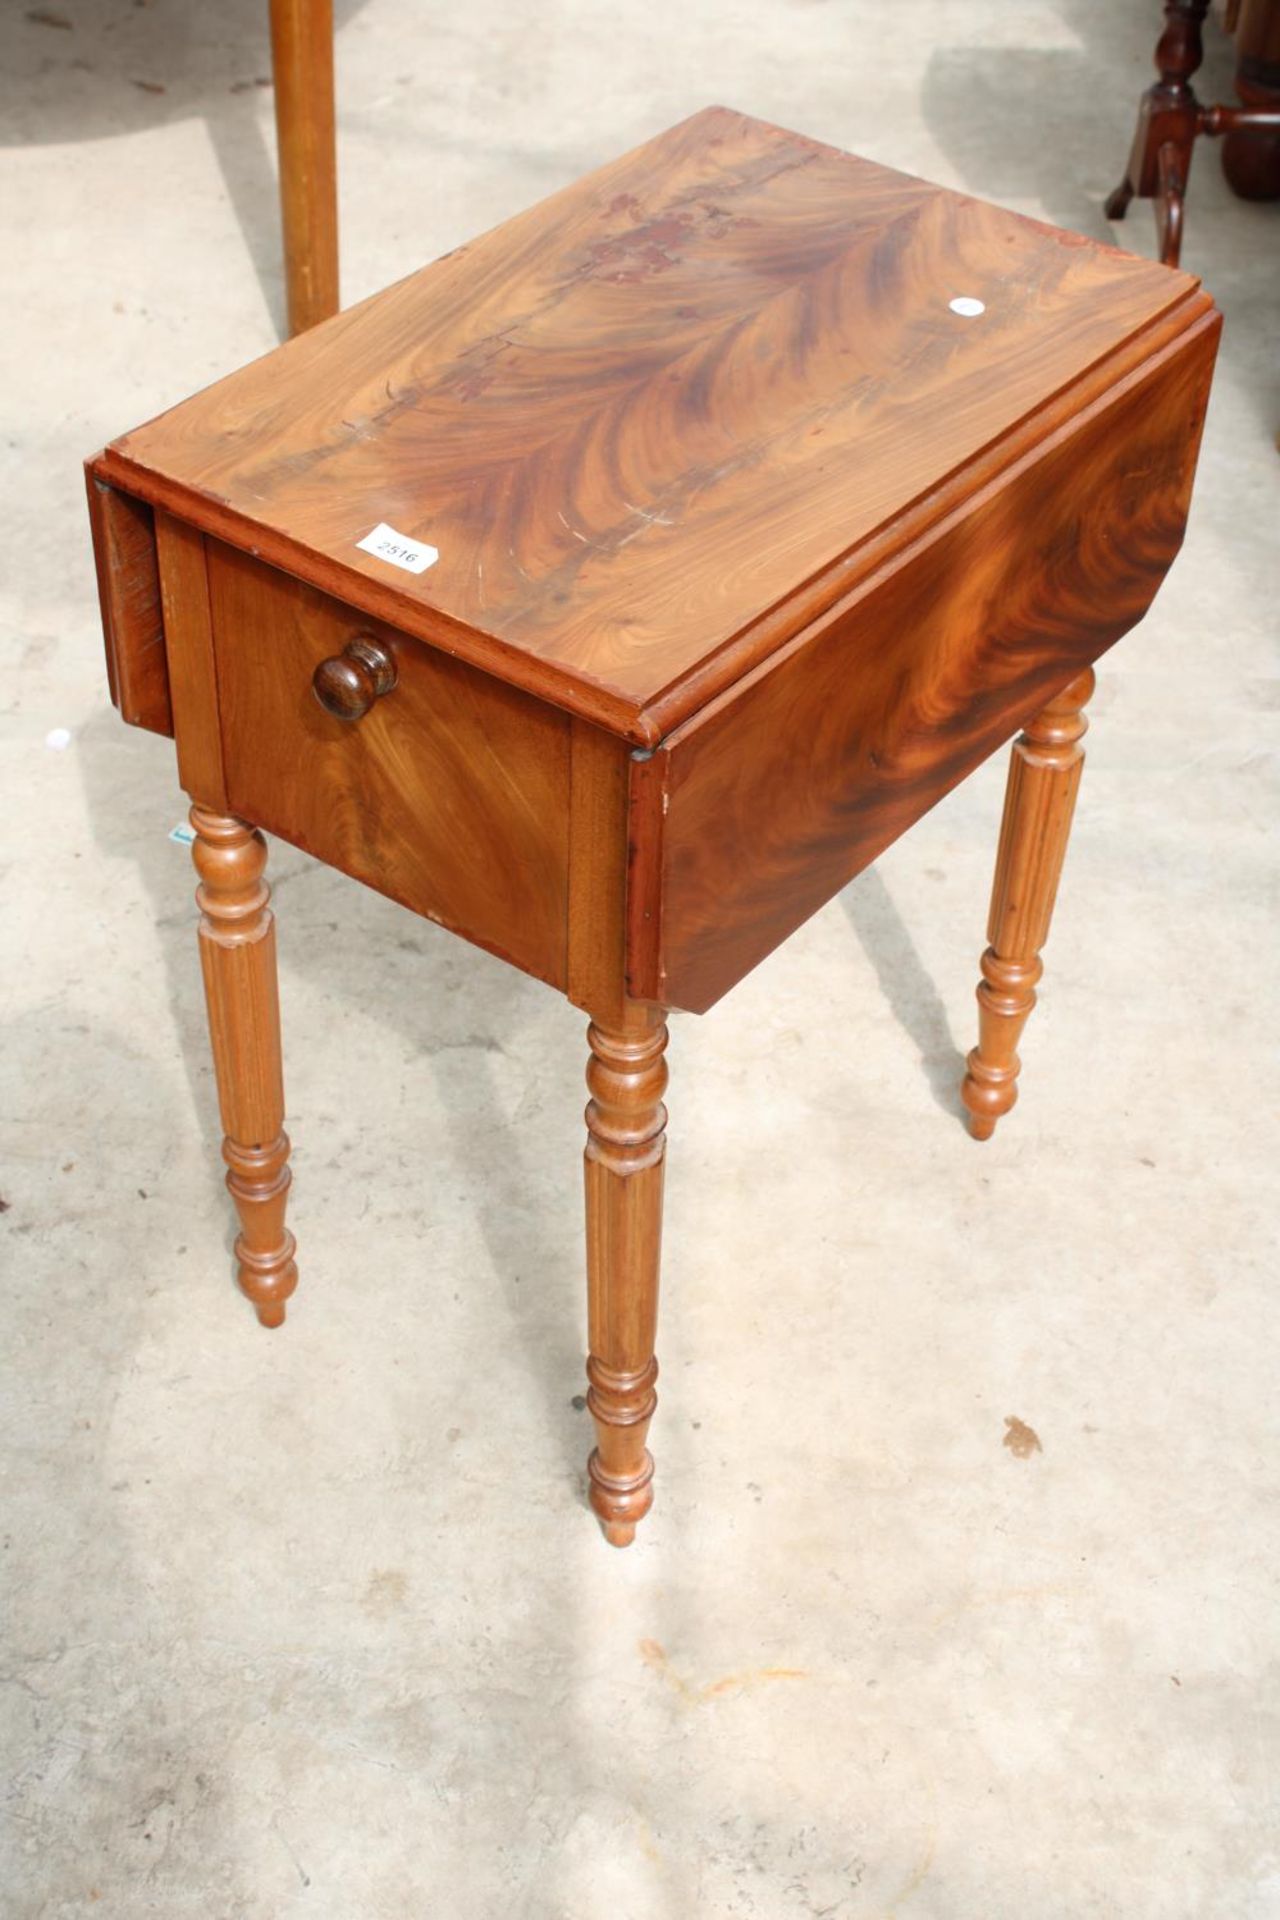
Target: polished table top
{"type": "Point", "coordinates": [654, 424]}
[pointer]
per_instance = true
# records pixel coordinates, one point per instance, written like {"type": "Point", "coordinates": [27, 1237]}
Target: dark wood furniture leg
{"type": "Point", "coordinates": [626, 1144]}
{"type": "Point", "coordinates": [302, 63]}
{"type": "Point", "coordinates": [238, 958]}
{"type": "Point", "coordinates": [1168, 121]}
{"type": "Point", "coordinates": [1251, 160]}
{"type": "Point", "coordinates": [1044, 773]}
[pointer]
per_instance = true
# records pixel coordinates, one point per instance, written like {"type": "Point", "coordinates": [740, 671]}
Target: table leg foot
{"type": "Point", "coordinates": [1116, 204]}
{"type": "Point", "coordinates": [626, 1123]}
{"type": "Point", "coordinates": [1044, 774]}
{"type": "Point", "coordinates": [258, 1181]}
{"type": "Point", "coordinates": [238, 959]}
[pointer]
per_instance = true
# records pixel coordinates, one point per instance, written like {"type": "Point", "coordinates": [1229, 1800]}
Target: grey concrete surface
{"type": "Point", "coordinates": [314, 1623]}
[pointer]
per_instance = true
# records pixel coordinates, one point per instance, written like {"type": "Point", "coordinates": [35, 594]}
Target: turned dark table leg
{"type": "Point", "coordinates": [1044, 773]}
{"type": "Point", "coordinates": [1168, 121]}
{"type": "Point", "coordinates": [1251, 160]}
{"type": "Point", "coordinates": [626, 1123]}
{"type": "Point", "coordinates": [238, 957]}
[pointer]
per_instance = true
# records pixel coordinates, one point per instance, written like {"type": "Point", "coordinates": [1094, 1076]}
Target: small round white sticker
{"type": "Point", "coordinates": [967, 307]}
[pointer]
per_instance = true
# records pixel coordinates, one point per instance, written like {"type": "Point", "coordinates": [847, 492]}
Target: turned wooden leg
{"type": "Point", "coordinates": [1169, 118]}
{"type": "Point", "coordinates": [302, 67]}
{"type": "Point", "coordinates": [1251, 160]}
{"type": "Point", "coordinates": [625, 1146]}
{"type": "Point", "coordinates": [1044, 774]}
{"type": "Point", "coordinates": [238, 957]}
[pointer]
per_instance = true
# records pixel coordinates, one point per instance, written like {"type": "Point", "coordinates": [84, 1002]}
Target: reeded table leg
{"type": "Point", "coordinates": [625, 1147]}
{"type": "Point", "coordinates": [238, 957]}
{"type": "Point", "coordinates": [1044, 774]}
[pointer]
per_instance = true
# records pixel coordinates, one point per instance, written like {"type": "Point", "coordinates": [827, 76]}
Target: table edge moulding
{"type": "Point", "coordinates": [175, 460]}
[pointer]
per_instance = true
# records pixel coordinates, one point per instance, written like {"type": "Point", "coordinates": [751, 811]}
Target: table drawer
{"type": "Point", "coordinates": [450, 794]}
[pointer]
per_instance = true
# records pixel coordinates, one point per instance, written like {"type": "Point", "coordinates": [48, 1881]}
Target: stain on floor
{"type": "Point", "coordinates": [654, 1655]}
{"type": "Point", "coordinates": [1021, 1440]}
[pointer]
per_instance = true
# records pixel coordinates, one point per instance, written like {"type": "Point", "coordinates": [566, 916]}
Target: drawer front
{"type": "Point", "coordinates": [451, 794]}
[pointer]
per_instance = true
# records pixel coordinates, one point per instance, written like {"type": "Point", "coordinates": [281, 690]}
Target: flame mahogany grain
{"type": "Point", "coordinates": [673, 402]}
{"type": "Point", "coordinates": [759, 809]}
{"type": "Point", "coordinates": [749, 548]}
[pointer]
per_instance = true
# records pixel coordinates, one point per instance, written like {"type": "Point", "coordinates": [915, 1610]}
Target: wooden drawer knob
{"type": "Point", "coordinates": [347, 685]}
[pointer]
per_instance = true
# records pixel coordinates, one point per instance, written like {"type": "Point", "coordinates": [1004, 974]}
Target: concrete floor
{"type": "Point", "coordinates": [315, 1623]}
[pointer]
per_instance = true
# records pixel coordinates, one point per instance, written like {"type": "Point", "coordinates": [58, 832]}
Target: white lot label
{"type": "Point", "coordinates": [415, 556]}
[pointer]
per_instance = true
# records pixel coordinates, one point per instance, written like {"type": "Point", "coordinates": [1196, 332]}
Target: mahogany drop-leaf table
{"type": "Point", "coordinates": [616, 588]}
